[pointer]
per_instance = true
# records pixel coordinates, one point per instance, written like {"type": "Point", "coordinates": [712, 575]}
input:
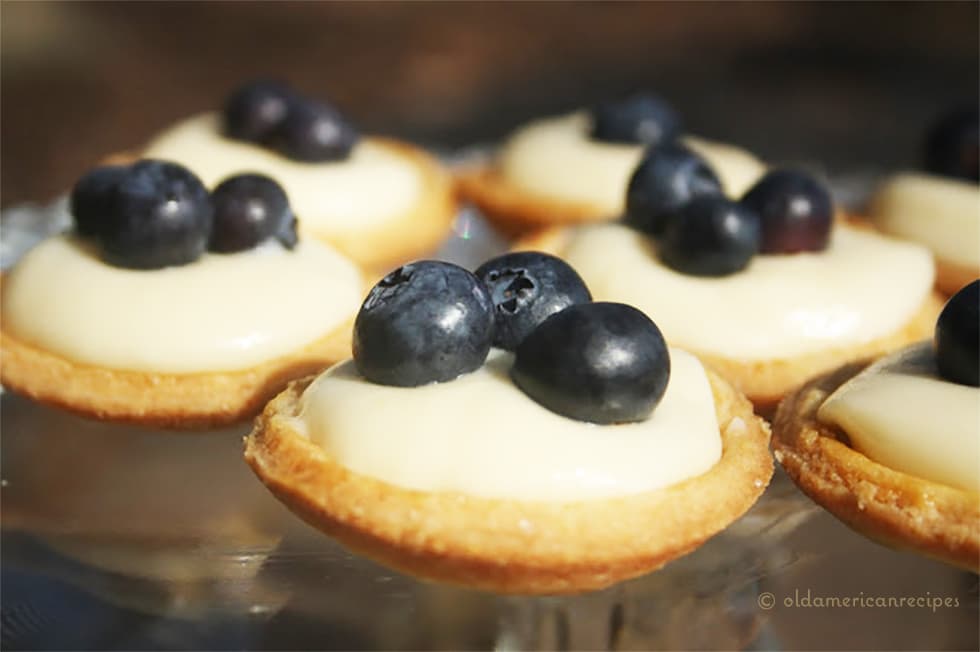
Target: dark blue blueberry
{"type": "Point", "coordinates": [315, 132]}
{"type": "Point", "coordinates": [248, 209]}
{"type": "Point", "coordinates": [426, 322]}
{"type": "Point", "coordinates": [598, 362]}
{"type": "Point", "coordinates": [91, 198]}
{"type": "Point", "coordinates": [161, 216]}
{"type": "Point", "coordinates": [953, 146]}
{"type": "Point", "coordinates": [644, 119]}
{"type": "Point", "coordinates": [710, 236]}
{"type": "Point", "coordinates": [795, 212]}
{"type": "Point", "coordinates": [958, 337]}
{"type": "Point", "coordinates": [255, 111]}
{"type": "Point", "coordinates": [668, 177]}
{"type": "Point", "coordinates": [528, 287]}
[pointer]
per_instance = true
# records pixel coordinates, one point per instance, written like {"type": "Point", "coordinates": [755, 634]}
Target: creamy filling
{"type": "Point", "coordinates": [942, 214]}
{"type": "Point", "coordinates": [482, 436]}
{"type": "Point", "coordinates": [556, 158]}
{"type": "Point", "coordinates": [221, 313]}
{"type": "Point", "coordinates": [902, 414]}
{"type": "Point", "coordinates": [863, 286]}
{"type": "Point", "coordinates": [374, 185]}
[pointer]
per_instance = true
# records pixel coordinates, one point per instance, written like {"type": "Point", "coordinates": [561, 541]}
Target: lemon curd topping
{"type": "Point", "coordinates": [223, 312]}
{"type": "Point", "coordinates": [862, 287]}
{"type": "Point", "coordinates": [481, 435]}
{"type": "Point", "coordinates": [902, 414]}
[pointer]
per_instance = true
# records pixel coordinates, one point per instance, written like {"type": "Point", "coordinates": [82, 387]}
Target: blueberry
{"type": "Point", "coordinates": [255, 111]}
{"type": "Point", "coordinates": [598, 362]}
{"type": "Point", "coordinates": [248, 209]}
{"type": "Point", "coordinates": [668, 177]}
{"type": "Point", "coordinates": [426, 322]}
{"type": "Point", "coordinates": [795, 212]}
{"type": "Point", "coordinates": [161, 216]}
{"type": "Point", "coordinates": [953, 145]}
{"type": "Point", "coordinates": [91, 198]}
{"type": "Point", "coordinates": [528, 287]}
{"type": "Point", "coordinates": [957, 337]}
{"type": "Point", "coordinates": [710, 236]}
{"type": "Point", "coordinates": [315, 132]}
{"type": "Point", "coordinates": [644, 119]}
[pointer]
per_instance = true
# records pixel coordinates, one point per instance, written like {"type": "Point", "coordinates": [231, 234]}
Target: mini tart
{"type": "Point", "coordinates": [517, 209]}
{"type": "Point", "coordinates": [486, 543]}
{"type": "Point", "coordinates": [889, 506]}
{"type": "Point", "coordinates": [766, 382]}
{"type": "Point", "coordinates": [196, 400]}
{"type": "Point", "coordinates": [413, 234]}
{"type": "Point", "coordinates": [940, 213]}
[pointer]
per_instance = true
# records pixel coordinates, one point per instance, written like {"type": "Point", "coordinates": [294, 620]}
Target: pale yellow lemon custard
{"type": "Point", "coordinates": [940, 213]}
{"type": "Point", "coordinates": [224, 312]}
{"type": "Point", "coordinates": [460, 436]}
{"type": "Point", "coordinates": [902, 414]}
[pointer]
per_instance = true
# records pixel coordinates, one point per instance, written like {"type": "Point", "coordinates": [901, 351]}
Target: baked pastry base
{"type": "Point", "coordinates": [765, 382]}
{"type": "Point", "coordinates": [950, 277]}
{"type": "Point", "coordinates": [513, 546]}
{"type": "Point", "coordinates": [184, 401]}
{"type": "Point", "coordinates": [515, 211]}
{"type": "Point", "coordinates": [891, 507]}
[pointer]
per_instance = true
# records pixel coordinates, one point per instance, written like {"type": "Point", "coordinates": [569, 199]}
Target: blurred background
{"type": "Point", "coordinates": [850, 86]}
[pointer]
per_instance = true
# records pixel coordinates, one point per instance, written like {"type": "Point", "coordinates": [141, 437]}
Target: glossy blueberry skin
{"type": "Point", "coordinates": [255, 111]}
{"type": "Point", "coordinates": [316, 133]}
{"type": "Point", "coordinates": [248, 209]}
{"type": "Point", "coordinates": [91, 198]}
{"type": "Point", "coordinates": [644, 119]}
{"type": "Point", "coordinates": [161, 216]}
{"type": "Point", "coordinates": [795, 212]}
{"type": "Point", "coordinates": [527, 287]}
{"type": "Point", "coordinates": [952, 146]}
{"type": "Point", "coordinates": [668, 177]}
{"type": "Point", "coordinates": [710, 236]}
{"type": "Point", "coordinates": [426, 322]}
{"type": "Point", "coordinates": [598, 362]}
{"type": "Point", "coordinates": [957, 338]}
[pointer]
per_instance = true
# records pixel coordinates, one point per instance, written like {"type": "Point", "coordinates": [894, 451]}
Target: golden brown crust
{"type": "Point", "coordinates": [889, 506]}
{"type": "Point", "coordinates": [418, 232]}
{"type": "Point", "coordinates": [507, 545]}
{"type": "Point", "coordinates": [515, 211]}
{"type": "Point", "coordinates": [950, 277]}
{"type": "Point", "coordinates": [186, 401]}
{"type": "Point", "coordinates": [765, 382]}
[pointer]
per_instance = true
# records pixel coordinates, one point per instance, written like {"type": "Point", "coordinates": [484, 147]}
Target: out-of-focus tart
{"type": "Point", "coordinates": [590, 455]}
{"type": "Point", "coordinates": [575, 168]}
{"type": "Point", "coordinates": [379, 201]}
{"type": "Point", "coordinates": [891, 448]}
{"type": "Point", "coordinates": [939, 207]}
{"type": "Point", "coordinates": [768, 290]}
{"type": "Point", "coordinates": [171, 306]}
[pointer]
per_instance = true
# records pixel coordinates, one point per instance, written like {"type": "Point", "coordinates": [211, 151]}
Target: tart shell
{"type": "Point", "coordinates": [766, 382]}
{"type": "Point", "coordinates": [185, 401]}
{"type": "Point", "coordinates": [950, 277]}
{"type": "Point", "coordinates": [515, 211]}
{"type": "Point", "coordinates": [509, 546]}
{"type": "Point", "coordinates": [889, 506]}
